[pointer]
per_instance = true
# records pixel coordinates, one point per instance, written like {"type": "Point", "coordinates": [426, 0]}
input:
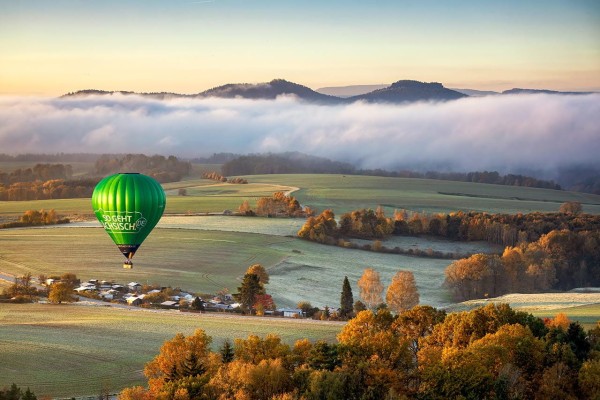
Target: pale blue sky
{"type": "Point", "coordinates": [52, 47]}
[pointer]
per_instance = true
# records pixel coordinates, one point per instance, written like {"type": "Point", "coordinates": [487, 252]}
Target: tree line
{"type": "Point", "coordinates": [14, 392]}
{"type": "Point", "coordinates": [215, 176]}
{"type": "Point", "coordinates": [559, 260]}
{"type": "Point", "coordinates": [163, 169]}
{"type": "Point", "coordinates": [361, 224]}
{"type": "Point", "coordinates": [44, 157]}
{"type": "Point", "coordinates": [40, 172]}
{"type": "Point", "coordinates": [493, 352]}
{"type": "Point", "coordinates": [51, 189]}
{"type": "Point", "coordinates": [54, 181]}
{"type": "Point", "coordinates": [558, 251]}
{"type": "Point", "coordinates": [503, 229]}
{"type": "Point", "coordinates": [278, 205]}
{"type": "Point", "coordinates": [35, 217]}
{"type": "Point", "coordinates": [299, 163]}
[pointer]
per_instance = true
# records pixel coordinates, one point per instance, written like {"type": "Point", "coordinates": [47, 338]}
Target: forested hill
{"type": "Point", "coordinates": [269, 90]}
{"type": "Point", "coordinates": [399, 92]}
{"type": "Point", "coordinates": [298, 163]}
{"type": "Point", "coordinates": [402, 91]}
{"type": "Point", "coordinates": [410, 91]}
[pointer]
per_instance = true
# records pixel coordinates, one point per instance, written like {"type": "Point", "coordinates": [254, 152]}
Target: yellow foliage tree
{"type": "Point", "coordinates": [402, 294]}
{"type": "Point", "coordinates": [60, 292]}
{"type": "Point", "coordinates": [370, 288]}
{"type": "Point", "coordinates": [259, 271]}
{"type": "Point", "coordinates": [180, 358]}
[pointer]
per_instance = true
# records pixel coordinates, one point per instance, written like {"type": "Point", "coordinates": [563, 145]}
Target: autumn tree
{"type": "Point", "coordinates": [346, 300]}
{"type": "Point", "coordinates": [245, 209]}
{"type": "Point", "coordinates": [416, 324]}
{"type": "Point", "coordinates": [260, 271]}
{"type": "Point", "coordinates": [369, 336]}
{"type": "Point", "coordinates": [570, 207]}
{"type": "Point", "coordinates": [467, 277]}
{"type": "Point", "coordinates": [322, 229]}
{"type": "Point", "coordinates": [370, 288]}
{"type": "Point", "coordinates": [60, 292]}
{"type": "Point", "coordinates": [402, 294]}
{"type": "Point", "coordinates": [255, 349]}
{"type": "Point", "coordinates": [589, 379]}
{"type": "Point", "coordinates": [182, 364]}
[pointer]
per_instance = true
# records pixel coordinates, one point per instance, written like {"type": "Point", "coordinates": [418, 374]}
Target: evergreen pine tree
{"type": "Point", "coordinates": [226, 352]}
{"type": "Point", "coordinates": [197, 304]}
{"type": "Point", "coordinates": [247, 292]}
{"type": "Point", "coordinates": [347, 300]}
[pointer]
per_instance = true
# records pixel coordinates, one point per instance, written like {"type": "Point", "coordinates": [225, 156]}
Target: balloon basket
{"type": "Point", "coordinates": [127, 265]}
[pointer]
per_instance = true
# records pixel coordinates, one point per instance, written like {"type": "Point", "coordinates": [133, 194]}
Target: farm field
{"type": "Point", "coordinates": [581, 307]}
{"type": "Point", "coordinates": [588, 315]}
{"type": "Point", "coordinates": [344, 193]}
{"type": "Point", "coordinates": [207, 261]}
{"type": "Point", "coordinates": [204, 196]}
{"type": "Point", "coordinates": [75, 350]}
{"type": "Point", "coordinates": [191, 259]}
{"type": "Point", "coordinates": [79, 168]}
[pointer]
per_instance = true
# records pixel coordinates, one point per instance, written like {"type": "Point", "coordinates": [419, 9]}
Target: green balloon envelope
{"type": "Point", "coordinates": [129, 206]}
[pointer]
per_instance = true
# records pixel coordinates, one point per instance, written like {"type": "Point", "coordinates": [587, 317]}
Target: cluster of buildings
{"type": "Point", "coordinates": [132, 294]}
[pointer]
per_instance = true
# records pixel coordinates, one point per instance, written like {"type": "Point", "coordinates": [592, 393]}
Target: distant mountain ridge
{"type": "Point", "coordinates": [537, 91]}
{"type": "Point", "coordinates": [268, 90]}
{"type": "Point", "coordinates": [349, 91]}
{"type": "Point", "coordinates": [410, 91]}
{"type": "Point", "coordinates": [403, 91]}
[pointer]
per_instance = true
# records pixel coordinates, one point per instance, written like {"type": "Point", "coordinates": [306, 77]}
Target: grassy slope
{"type": "Point", "coordinates": [587, 315]}
{"type": "Point", "coordinates": [204, 196]}
{"type": "Point", "coordinates": [345, 192]}
{"type": "Point", "coordinates": [71, 350]}
{"type": "Point", "coordinates": [202, 261]}
{"type": "Point", "coordinates": [207, 261]}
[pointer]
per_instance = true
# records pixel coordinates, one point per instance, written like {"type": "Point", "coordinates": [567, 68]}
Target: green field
{"type": "Point", "coordinates": [74, 350]}
{"type": "Point", "coordinates": [587, 315]}
{"type": "Point", "coordinates": [207, 261]}
{"type": "Point", "coordinates": [344, 193]}
{"type": "Point", "coordinates": [195, 260]}
{"type": "Point", "coordinates": [204, 196]}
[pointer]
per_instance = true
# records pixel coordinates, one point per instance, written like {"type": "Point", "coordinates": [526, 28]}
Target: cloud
{"type": "Point", "coordinates": [505, 133]}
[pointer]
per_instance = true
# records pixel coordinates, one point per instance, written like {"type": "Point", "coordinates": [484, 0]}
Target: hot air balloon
{"type": "Point", "coordinates": [129, 206]}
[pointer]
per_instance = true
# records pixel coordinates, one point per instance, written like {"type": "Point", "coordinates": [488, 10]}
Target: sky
{"type": "Point", "coordinates": [48, 48]}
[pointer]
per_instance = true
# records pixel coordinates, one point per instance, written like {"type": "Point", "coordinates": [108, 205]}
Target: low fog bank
{"type": "Point", "coordinates": [511, 134]}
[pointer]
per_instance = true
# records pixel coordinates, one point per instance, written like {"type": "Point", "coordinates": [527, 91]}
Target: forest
{"type": "Point", "coordinates": [543, 251]}
{"type": "Point", "coordinates": [298, 163]}
{"type": "Point", "coordinates": [492, 352]}
{"type": "Point", "coordinates": [55, 181]}
{"type": "Point", "coordinates": [163, 169]}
